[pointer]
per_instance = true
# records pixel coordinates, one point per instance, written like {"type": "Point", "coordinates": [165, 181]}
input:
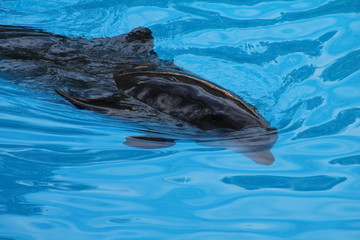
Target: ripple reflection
{"type": "Point", "coordinates": [312, 183]}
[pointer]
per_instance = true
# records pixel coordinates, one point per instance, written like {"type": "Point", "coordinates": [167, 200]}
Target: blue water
{"type": "Point", "coordinates": [65, 173]}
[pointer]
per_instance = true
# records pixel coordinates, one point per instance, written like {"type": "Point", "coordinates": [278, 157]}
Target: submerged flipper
{"type": "Point", "coordinates": [255, 143]}
{"type": "Point", "coordinates": [149, 142]}
{"type": "Point", "coordinates": [120, 105]}
{"type": "Point", "coordinates": [107, 106]}
{"type": "Point", "coordinates": [95, 105]}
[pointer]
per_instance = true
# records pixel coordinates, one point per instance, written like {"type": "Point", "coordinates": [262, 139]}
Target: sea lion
{"type": "Point", "coordinates": [123, 76]}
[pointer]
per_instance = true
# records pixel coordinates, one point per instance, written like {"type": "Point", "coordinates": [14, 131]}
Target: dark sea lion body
{"type": "Point", "coordinates": [190, 99]}
{"type": "Point", "coordinates": [123, 76]}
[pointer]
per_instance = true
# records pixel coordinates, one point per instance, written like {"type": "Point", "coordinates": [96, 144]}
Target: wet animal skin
{"type": "Point", "coordinates": [122, 76]}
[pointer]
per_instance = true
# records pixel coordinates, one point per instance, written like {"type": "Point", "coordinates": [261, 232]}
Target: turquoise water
{"type": "Point", "coordinates": [65, 173]}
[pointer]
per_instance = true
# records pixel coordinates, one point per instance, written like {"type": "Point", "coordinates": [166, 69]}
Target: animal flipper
{"type": "Point", "coordinates": [149, 142]}
{"type": "Point", "coordinates": [108, 106]}
{"type": "Point", "coordinates": [95, 105]}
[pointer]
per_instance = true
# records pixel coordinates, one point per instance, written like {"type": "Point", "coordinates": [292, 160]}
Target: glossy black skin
{"type": "Point", "coordinates": [123, 76]}
{"type": "Point", "coordinates": [190, 99]}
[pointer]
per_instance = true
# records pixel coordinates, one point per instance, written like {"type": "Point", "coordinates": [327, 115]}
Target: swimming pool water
{"type": "Point", "coordinates": [65, 173]}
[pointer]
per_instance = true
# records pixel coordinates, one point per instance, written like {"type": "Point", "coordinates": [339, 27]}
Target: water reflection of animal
{"type": "Point", "coordinates": [123, 76]}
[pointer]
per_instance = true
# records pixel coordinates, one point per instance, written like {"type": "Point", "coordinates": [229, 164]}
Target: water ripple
{"type": "Point", "coordinates": [65, 173]}
{"type": "Point", "coordinates": [313, 183]}
{"type": "Point", "coordinates": [347, 161]}
{"type": "Point", "coordinates": [343, 120]}
{"type": "Point", "coordinates": [342, 67]}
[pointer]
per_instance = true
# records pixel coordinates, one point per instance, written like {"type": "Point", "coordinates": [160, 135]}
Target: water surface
{"type": "Point", "coordinates": [66, 174]}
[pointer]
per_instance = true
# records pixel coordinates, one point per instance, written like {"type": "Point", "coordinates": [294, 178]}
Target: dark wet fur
{"type": "Point", "coordinates": [122, 76]}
